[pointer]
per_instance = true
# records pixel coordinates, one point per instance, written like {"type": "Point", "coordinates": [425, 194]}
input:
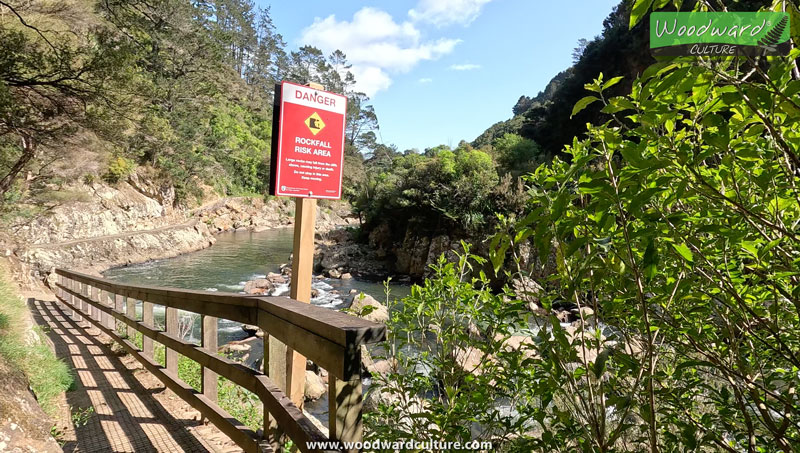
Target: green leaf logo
{"type": "Point", "coordinates": [773, 37]}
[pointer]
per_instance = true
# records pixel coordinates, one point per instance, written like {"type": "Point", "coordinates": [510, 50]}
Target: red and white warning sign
{"type": "Point", "coordinates": [308, 142]}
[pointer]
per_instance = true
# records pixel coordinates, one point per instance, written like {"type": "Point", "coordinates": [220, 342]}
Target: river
{"type": "Point", "coordinates": [233, 260]}
{"type": "Point", "coordinates": [227, 265]}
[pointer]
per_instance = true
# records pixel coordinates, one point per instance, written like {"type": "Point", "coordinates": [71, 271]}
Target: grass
{"type": "Point", "coordinates": [47, 375]}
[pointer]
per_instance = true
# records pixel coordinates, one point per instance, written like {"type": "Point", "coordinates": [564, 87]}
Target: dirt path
{"type": "Point", "coordinates": [56, 245]}
{"type": "Point", "coordinates": [115, 405]}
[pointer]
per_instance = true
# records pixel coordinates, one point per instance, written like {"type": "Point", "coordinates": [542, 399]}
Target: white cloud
{"type": "Point", "coordinates": [447, 12]}
{"type": "Point", "coordinates": [425, 80]}
{"type": "Point", "coordinates": [376, 45]}
{"type": "Point", "coordinates": [465, 67]}
{"type": "Point", "coordinates": [371, 79]}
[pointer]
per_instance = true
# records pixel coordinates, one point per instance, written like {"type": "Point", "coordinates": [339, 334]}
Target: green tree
{"type": "Point", "coordinates": [517, 155]}
{"type": "Point", "coordinates": [54, 81]}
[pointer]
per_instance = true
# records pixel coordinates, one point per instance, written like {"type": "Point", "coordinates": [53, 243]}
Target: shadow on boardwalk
{"type": "Point", "coordinates": [126, 416]}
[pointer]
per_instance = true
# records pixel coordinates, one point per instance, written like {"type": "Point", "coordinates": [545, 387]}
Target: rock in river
{"type": "Point", "coordinates": [377, 313]}
{"type": "Point", "coordinates": [314, 387]}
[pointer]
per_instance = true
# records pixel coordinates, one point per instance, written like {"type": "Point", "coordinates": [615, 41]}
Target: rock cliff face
{"type": "Point", "coordinates": [108, 211]}
{"type": "Point", "coordinates": [339, 253]}
{"type": "Point", "coordinates": [110, 226]}
{"type": "Point", "coordinates": [232, 214]}
{"type": "Point", "coordinates": [135, 221]}
{"type": "Point", "coordinates": [94, 255]}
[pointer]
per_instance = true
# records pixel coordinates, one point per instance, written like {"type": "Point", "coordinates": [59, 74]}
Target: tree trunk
{"type": "Point", "coordinates": [28, 153]}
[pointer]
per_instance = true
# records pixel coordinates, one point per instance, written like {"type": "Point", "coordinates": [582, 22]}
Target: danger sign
{"type": "Point", "coordinates": [307, 142]}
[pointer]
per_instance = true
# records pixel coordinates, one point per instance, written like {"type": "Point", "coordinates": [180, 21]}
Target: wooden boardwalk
{"type": "Point", "coordinates": [125, 416]}
{"type": "Point", "coordinates": [332, 340]}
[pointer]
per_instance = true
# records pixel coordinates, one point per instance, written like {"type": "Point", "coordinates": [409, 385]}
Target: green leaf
{"type": "Point", "coordinates": [600, 364]}
{"type": "Point", "coordinates": [684, 251]}
{"type": "Point", "coordinates": [582, 104]}
{"type": "Point", "coordinates": [750, 247]}
{"type": "Point", "coordinates": [575, 245]}
{"type": "Point", "coordinates": [558, 205]}
{"type": "Point", "coordinates": [650, 260]}
{"type": "Point", "coordinates": [612, 82]}
{"type": "Point", "coordinates": [641, 198]}
{"type": "Point", "coordinates": [618, 104]}
{"type": "Point", "coordinates": [638, 11]}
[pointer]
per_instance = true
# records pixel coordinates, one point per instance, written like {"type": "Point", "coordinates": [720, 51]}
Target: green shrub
{"type": "Point", "coordinates": [672, 230]}
{"type": "Point", "coordinates": [677, 226]}
{"type": "Point", "coordinates": [118, 169]}
{"type": "Point", "coordinates": [449, 382]}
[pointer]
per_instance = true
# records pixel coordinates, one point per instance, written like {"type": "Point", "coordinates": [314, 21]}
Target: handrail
{"type": "Point", "coordinates": [331, 339]}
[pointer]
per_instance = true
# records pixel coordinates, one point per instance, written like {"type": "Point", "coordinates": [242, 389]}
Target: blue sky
{"type": "Point", "coordinates": [439, 71]}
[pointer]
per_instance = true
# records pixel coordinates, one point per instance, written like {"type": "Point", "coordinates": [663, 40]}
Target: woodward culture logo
{"type": "Point", "coordinates": [719, 34]}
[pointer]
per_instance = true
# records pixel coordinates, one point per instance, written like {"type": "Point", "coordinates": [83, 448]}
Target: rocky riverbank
{"type": "Point", "coordinates": [339, 253]}
{"type": "Point", "coordinates": [135, 221]}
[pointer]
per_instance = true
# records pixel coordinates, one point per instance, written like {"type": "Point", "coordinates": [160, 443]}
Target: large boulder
{"type": "Point", "coordinates": [258, 286]}
{"type": "Point", "coordinates": [249, 351]}
{"type": "Point", "coordinates": [314, 387]}
{"type": "Point", "coordinates": [223, 223]}
{"type": "Point", "coordinates": [250, 330]}
{"type": "Point", "coordinates": [376, 313]}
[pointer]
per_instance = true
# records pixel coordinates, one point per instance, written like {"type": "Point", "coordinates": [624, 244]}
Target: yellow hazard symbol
{"type": "Point", "coordinates": [314, 123]}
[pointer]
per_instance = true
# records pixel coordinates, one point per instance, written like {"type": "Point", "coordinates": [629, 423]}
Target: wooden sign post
{"type": "Point", "coordinates": [302, 265]}
{"type": "Point", "coordinates": [307, 159]}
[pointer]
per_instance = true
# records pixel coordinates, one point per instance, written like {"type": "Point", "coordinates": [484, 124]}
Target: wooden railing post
{"type": "Point", "coordinates": [130, 311]}
{"type": "Point", "coordinates": [345, 404]}
{"type": "Point", "coordinates": [79, 302]}
{"type": "Point", "coordinates": [101, 300]}
{"type": "Point", "coordinates": [271, 431]}
{"type": "Point", "coordinates": [62, 281]}
{"type": "Point", "coordinates": [85, 307]}
{"type": "Point", "coordinates": [75, 315]}
{"type": "Point", "coordinates": [171, 326]}
{"type": "Point", "coordinates": [109, 302]}
{"type": "Point", "coordinates": [118, 302]}
{"type": "Point", "coordinates": [147, 319]}
{"type": "Point", "coordinates": [209, 341]}
{"type": "Point", "coordinates": [94, 313]}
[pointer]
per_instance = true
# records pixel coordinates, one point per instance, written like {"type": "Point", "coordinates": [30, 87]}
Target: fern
{"type": "Point", "coordinates": [772, 36]}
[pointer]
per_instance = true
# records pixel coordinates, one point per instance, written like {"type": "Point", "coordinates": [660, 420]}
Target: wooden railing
{"type": "Point", "coordinates": [330, 339]}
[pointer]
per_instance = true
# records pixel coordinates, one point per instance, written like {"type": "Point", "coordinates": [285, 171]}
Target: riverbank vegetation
{"type": "Point", "coordinates": [671, 230]}
{"type": "Point", "coordinates": [25, 348]}
{"type": "Point", "coordinates": [93, 90]}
